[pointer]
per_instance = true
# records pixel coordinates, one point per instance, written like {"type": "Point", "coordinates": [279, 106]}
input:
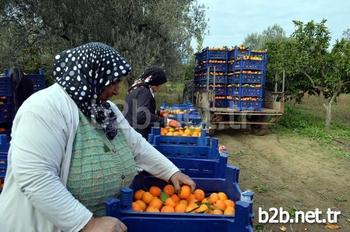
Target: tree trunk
{"type": "Point", "coordinates": [328, 108]}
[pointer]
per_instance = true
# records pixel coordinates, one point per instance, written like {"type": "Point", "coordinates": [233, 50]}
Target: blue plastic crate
{"type": "Point", "coordinates": [5, 113]}
{"type": "Point", "coordinates": [157, 139]}
{"type": "Point", "coordinates": [219, 90]}
{"type": "Point", "coordinates": [219, 103]}
{"type": "Point", "coordinates": [244, 78]}
{"type": "Point", "coordinates": [201, 167]}
{"type": "Point", "coordinates": [233, 91]}
{"type": "Point", "coordinates": [262, 54]}
{"type": "Point", "coordinates": [4, 146]}
{"type": "Point", "coordinates": [5, 85]}
{"type": "Point", "coordinates": [192, 118]}
{"type": "Point", "coordinates": [174, 222]}
{"type": "Point", "coordinates": [3, 160]}
{"type": "Point", "coordinates": [213, 67]}
{"type": "Point", "coordinates": [247, 65]}
{"type": "Point", "coordinates": [210, 54]}
{"type": "Point", "coordinates": [38, 80]}
{"type": "Point", "coordinates": [205, 151]}
{"type": "Point", "coordinates": [219, 79]}
{"type": "Point", "coordinates": [246, 105]}
{"type": "Point", "coordinates": [251, 92]}
{"type": "Point", "coordinates": [238, 52]}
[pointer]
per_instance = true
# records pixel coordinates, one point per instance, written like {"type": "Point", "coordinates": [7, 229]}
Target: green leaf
{"type": "Point", "coordinates": [163, 196]}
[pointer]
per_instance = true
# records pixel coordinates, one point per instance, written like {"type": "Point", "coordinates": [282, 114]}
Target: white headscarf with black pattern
{"type": "Point", "coordinates": [84, 72]}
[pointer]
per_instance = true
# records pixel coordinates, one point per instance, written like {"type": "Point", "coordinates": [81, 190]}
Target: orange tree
{"type": "Point", "coordinates": [325, 71]}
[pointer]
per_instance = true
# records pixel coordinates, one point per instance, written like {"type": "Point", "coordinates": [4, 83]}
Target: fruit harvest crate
{"type": "Point", "coordinates": [203, 168]}
{"type": "Point", "coordinates": [246, 78]}
{"type": "Point", "coordinates": [189, 147]}
{"type": "Point", "coordinates": [211, 54]}
{"type": "Point", "coordinates": [5, 113]}
{"type": "Point", "coordinates": [174, 222]}
{"type": "Point", "coordinates": [5, 85]}
{"type": "Point", "coordinates": [193, 117]}
{"type": "Point", "coordinates": [4, 146]}
{"type": "Point", "coordinates": [247, 65]}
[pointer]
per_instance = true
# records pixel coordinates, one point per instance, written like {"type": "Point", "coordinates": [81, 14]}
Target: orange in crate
{"type": "Point", "coordinates": [165, 200]}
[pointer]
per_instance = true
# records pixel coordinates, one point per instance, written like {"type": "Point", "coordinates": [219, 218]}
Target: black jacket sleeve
{"type": "Point", "coordinates": [147, 108]}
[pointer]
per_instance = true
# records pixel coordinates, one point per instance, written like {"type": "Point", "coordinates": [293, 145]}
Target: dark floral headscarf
{"type": "Point", "coordinates": [84, 72]}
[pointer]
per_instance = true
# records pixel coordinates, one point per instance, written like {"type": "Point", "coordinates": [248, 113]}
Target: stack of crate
{"type": "Point", "coordinates": [246, 79]}
{"type": "Point", "coordinates": [198, 157]}
{"type": "Point", "coordinates": [211, 73]}
{"type": "Point", "coordinates": [7, 113]}
{"type": "Point", "coordinates": [239, 81]}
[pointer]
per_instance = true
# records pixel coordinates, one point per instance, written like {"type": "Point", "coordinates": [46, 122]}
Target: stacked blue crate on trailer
{"type": "Point", "coordinates": [198, 157]}
{"type": "Point", "coordinates": [246, 79]}
{"type": "Point", "coordinates": [211, 72]}
{"type": "Point", "coordinates": [239, 80]}
{"type": "Point", "coordinates": [185, 113]}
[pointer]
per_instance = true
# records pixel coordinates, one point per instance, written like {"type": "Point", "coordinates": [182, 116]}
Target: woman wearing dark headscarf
{"type": "Point", "coordinates": [72, 149]}
{"type": "Point", "coordinates": [140, 105]}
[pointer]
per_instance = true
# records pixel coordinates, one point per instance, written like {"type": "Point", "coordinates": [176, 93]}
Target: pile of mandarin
{"type": "Point", "coordinates": [157, 200]}
{"type": "Point", "coordinates": [186, 131]}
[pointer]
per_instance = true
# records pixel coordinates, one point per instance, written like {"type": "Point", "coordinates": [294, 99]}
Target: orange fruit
{"type": "Point", "coordinates": [222, 196]}
{"type": "Point", "coordinates": [169, 189]}
{"type": "Point", "coordinates": [156, 203]}
{"type": "Point", "coordinates": [199, 194]}
{"type": "Point", "coordinates": [170, 202]}
{"type": "Point", "coordinates": [155, 191]}
{"type": "Point", "coordinates": [185, 192]}
{"type": "Point", "coordinates": [213, 198]}
{"type": "Point", "coordinates": [191, 197]}
{"type": "Point", "coordinates": [220, 204]}
{"type": "Point", "coordinates": [217, 211]}
{"type": "Point", "coordinates": [176, 133]}
{"type": "Point", "coordinates": [136, 207]}
{"type": "Point", "coordinates": [175, 198]}
{"type": "Point", "coordinates": [167, 209]}
{"type": "Point", "coordinates": [230, 203]}
{"type": "Point", "coordinates": [152, 210]}
{"type": "Point", "coordinates": [180, 208]}
{"type": "Point", "coordinates": [183, 202]}
{"type": "Point", "coordinates": [205, 200]}
{"type": "Point", "coordinates": [147, 197]}
{"type": "Point", "coordinates": [138, 194]}
{"type": "Point", "coordinates": [229, 211]}
{"type": "Point", "coordinates": [142, 204]}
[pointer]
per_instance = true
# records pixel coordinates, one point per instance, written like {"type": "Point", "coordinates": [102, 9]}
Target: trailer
{"type": "Point", "coordinates": [220, 118]}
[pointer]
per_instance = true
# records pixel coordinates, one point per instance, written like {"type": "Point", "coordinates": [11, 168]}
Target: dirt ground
{"type": "Point", "coordinates": [291, 172]}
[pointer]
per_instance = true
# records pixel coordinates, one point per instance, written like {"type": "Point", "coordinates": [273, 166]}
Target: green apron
{"type": "Point", "coordinates": [99, 167]}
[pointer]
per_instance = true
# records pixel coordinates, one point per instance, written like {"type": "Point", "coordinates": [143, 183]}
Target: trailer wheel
{"type": "Point", "coordinates": [260, 130]}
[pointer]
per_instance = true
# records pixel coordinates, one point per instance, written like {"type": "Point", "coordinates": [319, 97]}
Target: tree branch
{"type": "Point", "coordinates": [320, 88]}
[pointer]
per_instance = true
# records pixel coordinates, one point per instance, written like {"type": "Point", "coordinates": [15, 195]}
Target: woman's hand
{"type": "Point", "coordinates": [179, 179]}
{"type": "Point", "coordinates": [104, 224]}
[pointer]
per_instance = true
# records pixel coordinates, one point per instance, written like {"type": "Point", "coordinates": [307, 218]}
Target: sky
{"type": "Point", "coordinates": [230, 21]}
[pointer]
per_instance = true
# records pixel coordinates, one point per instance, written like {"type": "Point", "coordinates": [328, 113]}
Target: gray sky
{"type": "Point", "coordinates": [231, 20]}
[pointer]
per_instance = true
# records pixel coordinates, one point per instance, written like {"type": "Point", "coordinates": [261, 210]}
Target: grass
{"type": "Point", "coordinates": [307, 119]}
